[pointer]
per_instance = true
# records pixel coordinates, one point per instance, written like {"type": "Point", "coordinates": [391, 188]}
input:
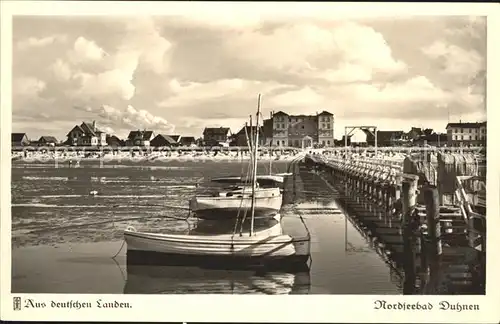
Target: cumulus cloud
{"type": "Point", "coordinates": [454, 59]}
{"type": "Point", "coordinates": [109, 83]}
{"type": "Point", "coordinates": [299, 48]}
{"type": "Point", "coordinates": [33, 42]}
{"type": "Point", "coordinates": [129, 117]}
{"type": "Point", "coordinates": [28, 86]}
{"type": "Point", "coordinates": [196, 92]}
{"type": "Point", "coordinates": [85, 50]}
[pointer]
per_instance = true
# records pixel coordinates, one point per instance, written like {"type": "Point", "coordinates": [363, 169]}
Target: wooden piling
{"type": "Point", "coordinates": [434, 248]}
{"type": "Point", "coordinates": [409, 199]}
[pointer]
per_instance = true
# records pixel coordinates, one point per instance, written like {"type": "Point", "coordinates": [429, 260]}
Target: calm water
{"type": "Point", "coordinates": [63, 238]}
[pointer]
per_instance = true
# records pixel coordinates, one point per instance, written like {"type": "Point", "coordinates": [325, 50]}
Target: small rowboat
{"type": "Point", "coordinates": [231, 203]}
{"type": "Point", "coordinates": [265, 246]}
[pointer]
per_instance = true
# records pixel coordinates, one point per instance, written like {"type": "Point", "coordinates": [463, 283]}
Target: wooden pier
{"type": "Point", "coordinates": [426, 211]}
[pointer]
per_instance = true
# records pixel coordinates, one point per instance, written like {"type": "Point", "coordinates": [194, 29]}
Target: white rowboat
{"type": "Point", "coordinates": [232, 203]}
{"type": "Point", "coordinates": [263, 245]}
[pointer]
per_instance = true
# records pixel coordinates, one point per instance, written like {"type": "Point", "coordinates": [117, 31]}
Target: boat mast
{"type": "Point", "coordinates": [250, 151]}
{"type": "Point", "coordinates": [254, 175]}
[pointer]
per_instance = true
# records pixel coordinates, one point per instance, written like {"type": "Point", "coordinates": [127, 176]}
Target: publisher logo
{"type": "Point", "coordinates": [17, 303]}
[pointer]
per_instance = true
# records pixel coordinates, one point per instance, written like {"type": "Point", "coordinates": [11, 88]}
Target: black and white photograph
{"type": "Point", "coordinates": [206, 152]}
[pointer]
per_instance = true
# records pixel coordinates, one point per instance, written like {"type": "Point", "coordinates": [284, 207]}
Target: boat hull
{"type": "Point", "coordinates": [230, 207]}
{"type": "Point", "coordinates": [261, 179]}
{"type": "Point", "coordinates": [226, 250]}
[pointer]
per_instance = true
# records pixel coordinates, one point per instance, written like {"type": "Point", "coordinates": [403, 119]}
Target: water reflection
{"type": "Point", "coordinates": [142, 279]}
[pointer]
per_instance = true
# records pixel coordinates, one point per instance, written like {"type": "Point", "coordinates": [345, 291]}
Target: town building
{"type": "Point", "coordinates": [466, 134]}
{"type": "Point", "coordinates": [86, 134]}
{"type": "Point", "coordinates": [240, 138]}
{"type": "Point", "coordinates": [433, 139]}
{"type": "Point", "coordinates": [187, 141]}
{"type": "Point", "coordinates": [139, 138]}
{"type": "Point", "coordinates": [114, 141]}
{"type": "Point", "coordinates": [215, 136]}
{"type": "Point", "coordinates": [19, 139]}
{"type": "Point", "coordinates": [387, 138]}
{"type": "Point", "coordinates": [303, 130]}
{"type": "Point", "coordinates": [415, 133]}
{"type": "Point", "coordinates": [162, 140]}
{"type": "Point", "coordinates": [47, 141]}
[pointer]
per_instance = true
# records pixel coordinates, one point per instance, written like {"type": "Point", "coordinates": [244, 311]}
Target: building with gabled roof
{"type": "Point", "coordinates": [140, 138]}
{"type": "Point", "coordinates": [86, 134]}
{"type": "Point", "coordinates": [162, 140]}
{"type": "Point", "coordinates": [213, 136]}
{"type": "Point", "coordinates": [240, 138]}
{"type": "Point", "coordinates": [19, 139]}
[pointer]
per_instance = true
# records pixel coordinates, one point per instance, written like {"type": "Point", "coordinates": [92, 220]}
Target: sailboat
{"type": "Point", "coordinates": [227, 203]}
{"type": "Point", "coordinates": [267, 245]}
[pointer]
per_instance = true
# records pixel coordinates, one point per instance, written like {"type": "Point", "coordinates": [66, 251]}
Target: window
{"type": "Point", "coordinates": [328, 142]}
{"type": "Point", "coordinates": [302, 126]}
{"type": "Point", "coordinates": [328, 126]}
{"type": "Point", "coordinates": [323, 142]}
{"type": "Point", "coordinates": [456, 130]}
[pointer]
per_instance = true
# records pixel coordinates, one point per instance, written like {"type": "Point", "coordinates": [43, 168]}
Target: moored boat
{"type": "Point", "coordinates": [234, 202]}
{"type": "Point", "coordinates": [263, 246]}
{"type": "Point", "coordinates": [263, 179]}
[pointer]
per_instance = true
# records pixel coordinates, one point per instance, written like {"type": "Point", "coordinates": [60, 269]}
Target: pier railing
{"type": "Point", "coordinates": [381, 182]}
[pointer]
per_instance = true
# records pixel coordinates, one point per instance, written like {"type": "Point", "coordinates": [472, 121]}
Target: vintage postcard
{"type": "Point", "coordinates": [167, 156]}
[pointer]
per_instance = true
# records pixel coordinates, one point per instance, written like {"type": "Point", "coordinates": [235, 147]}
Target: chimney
{"type": "Point", "coordinates": [93, 124]}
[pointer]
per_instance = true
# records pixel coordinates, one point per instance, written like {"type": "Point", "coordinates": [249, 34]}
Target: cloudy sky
{"type": "Point", "coordinates": [179, 74]}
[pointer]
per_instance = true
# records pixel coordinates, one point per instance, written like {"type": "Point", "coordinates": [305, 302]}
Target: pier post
{"type": "Point", "coordinates": [434, 247]}
{"type": "Point", "coordinates": [409, 199]}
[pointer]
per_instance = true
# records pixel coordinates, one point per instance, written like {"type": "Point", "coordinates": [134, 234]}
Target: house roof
{"type": "Point", "coordinates": [113, 138]}
{"type": "Point", "coordinates": [87, 129]}
{"type": "Point", "coordinates": [175, 137]}
{"type": "Point", "coordinates": [466, 125]}
{"type": "Point", "coordinates": [324, 112]}
{"type": "Point", "coordinates": [49, 139]}
{"type": "Point", "coordinates": [17, 137]}
{"type": "Point", "coordinates": [186, 139]}
{"type": "Point", "coordinates": [216, 131]}
{"type": "Point", "coordinates": [144, 135]}
{"type": "Point", "coordinates": [249, 129]}
{"type": "Point", "coordinates": [166, 138]}
{"type": "Point", "coordinates": [280, 113]}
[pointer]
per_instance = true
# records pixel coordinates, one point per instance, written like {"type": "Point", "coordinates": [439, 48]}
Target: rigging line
{"type": "Point", "coordinates": [119, 267]}
{"type": "Point", "coordinates": [239, 210]}
{"type": "Point", "coordinates": [121, 247]}
{"type": "Point", "coordinates": [246, 209]}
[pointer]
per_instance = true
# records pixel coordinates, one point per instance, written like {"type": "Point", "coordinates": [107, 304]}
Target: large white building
{"type": "Point", "coordinates": [466, 134]}
{"type": "Point", "coordinates": [302, 130]}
